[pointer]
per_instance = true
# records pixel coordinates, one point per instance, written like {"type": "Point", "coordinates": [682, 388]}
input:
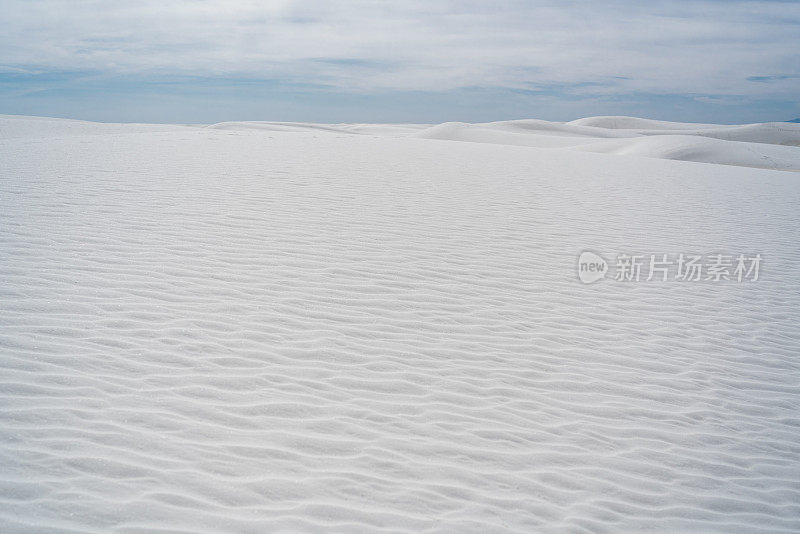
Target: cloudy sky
{"type": "Point", "coordinates": [403, 61]}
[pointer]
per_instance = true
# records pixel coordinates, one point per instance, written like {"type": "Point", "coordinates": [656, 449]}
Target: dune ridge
{"type": "Point", "coordinates": [767, 146]}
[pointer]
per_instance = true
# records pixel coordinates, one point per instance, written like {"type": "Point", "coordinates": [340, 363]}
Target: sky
{"type": "Point", "coordinates": [422, 61]}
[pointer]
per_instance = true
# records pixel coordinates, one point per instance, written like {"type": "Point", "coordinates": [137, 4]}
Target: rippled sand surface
{"type": "Point", "coordinates": [262, 330]}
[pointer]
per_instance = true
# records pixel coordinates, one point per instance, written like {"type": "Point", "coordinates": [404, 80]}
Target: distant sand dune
{"type": "Point", "coordinates": [703, 149]}
{"type": "Point", "coordinates": [635, 123]}
{"type": "Point", "coordinates": [749, 145]}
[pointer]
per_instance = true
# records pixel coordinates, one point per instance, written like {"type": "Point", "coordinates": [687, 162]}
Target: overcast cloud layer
{"type": "Point", "coordinates": [716, 53]}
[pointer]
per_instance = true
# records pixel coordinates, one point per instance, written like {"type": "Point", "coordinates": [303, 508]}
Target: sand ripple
{"type": "Point", "coordinates": [259, 331]}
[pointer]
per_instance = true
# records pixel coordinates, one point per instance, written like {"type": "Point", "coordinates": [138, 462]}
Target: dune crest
{"type": "Point", "coordinates": [766, 146]}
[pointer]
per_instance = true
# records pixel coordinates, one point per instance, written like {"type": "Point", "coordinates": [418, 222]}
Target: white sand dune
{"type": "Point", "coordinates": [702, 149]}
{"type": "Point", "coordinates": [507, 134]}
{"type": "Point", "coordinates": [751, 145]}
{"type": "Point", "coordinates": [636, 123]}
{"type": "Point", "coordinates": [776, 133]}
{"type": "Point", "coordinates": [15, 127]}
{"type": "Point", "coordinates": [768, 146]}
{"type": "Point", "coordinates": [371, 129]}
{"type": "Point", "coordinates": [297, 329]}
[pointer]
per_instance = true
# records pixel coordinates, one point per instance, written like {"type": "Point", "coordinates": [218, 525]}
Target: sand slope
{"type": "Point", "coordinates": [702, 149]}
{"type": "Point", "coordinates": [768, 146]}
{"type": "Point", "coordinates": [239, 329]}
{"type": "Point", "coordinates": [18, 127]}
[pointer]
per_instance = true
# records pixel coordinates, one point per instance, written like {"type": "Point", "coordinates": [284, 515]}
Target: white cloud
{"type": "Point", "coordinates": [704, 47]}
